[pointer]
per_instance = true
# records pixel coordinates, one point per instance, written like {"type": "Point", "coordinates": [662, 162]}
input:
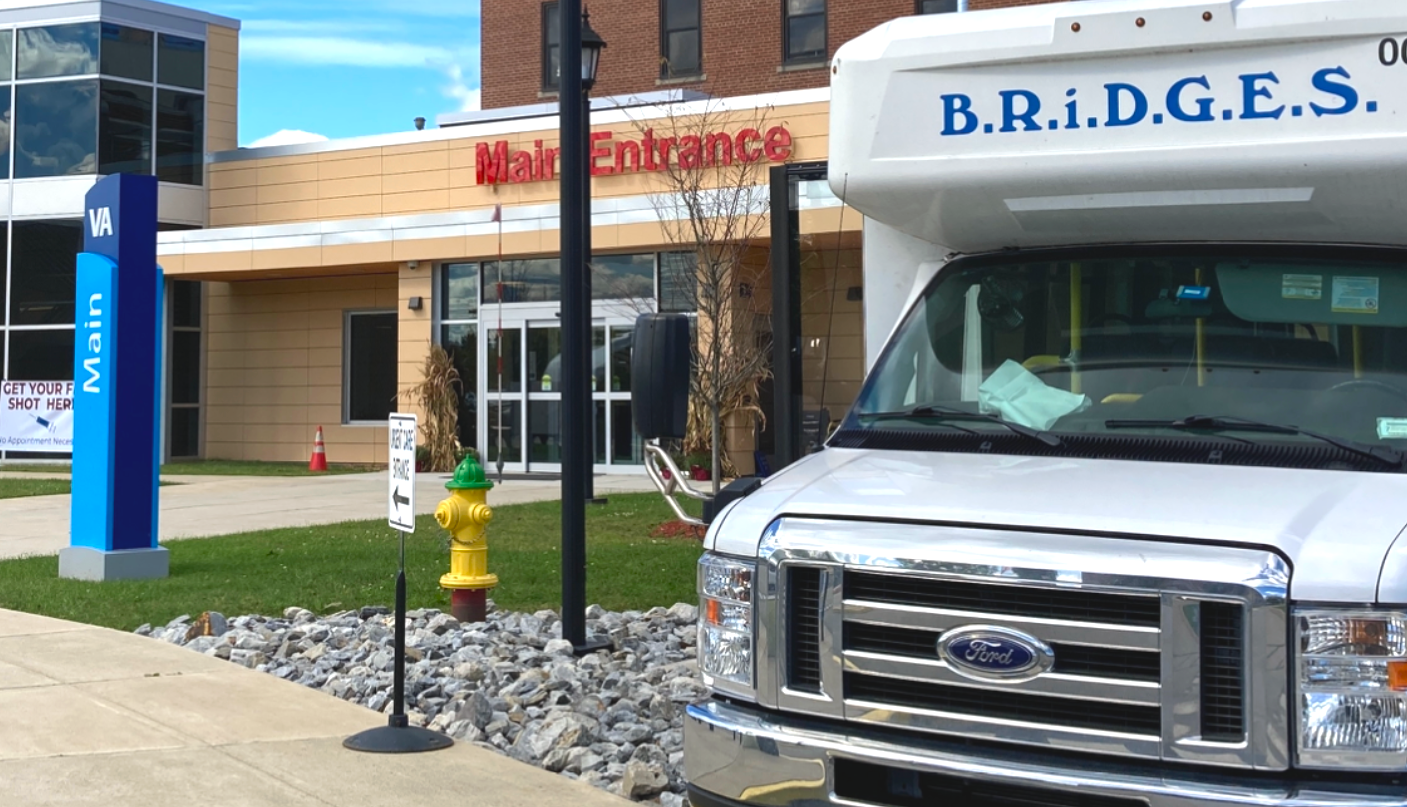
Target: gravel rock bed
{"type": "Point", "coordinates": [512, 685]}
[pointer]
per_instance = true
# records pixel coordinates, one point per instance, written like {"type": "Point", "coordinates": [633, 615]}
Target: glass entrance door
{"type": "Point", "coordinates": [544, 396]}
{"type": "Point", "coordinates": [522, 383]}
{"type": "Point", "coordinates": [503, 384]}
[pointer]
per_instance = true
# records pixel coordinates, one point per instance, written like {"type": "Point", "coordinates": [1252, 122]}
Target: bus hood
{"type": "Point", "coordinates": [1336, 528]}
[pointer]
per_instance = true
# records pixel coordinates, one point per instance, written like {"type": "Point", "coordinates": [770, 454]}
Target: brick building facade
{"type": "Point", "coordinates": [744, 46]}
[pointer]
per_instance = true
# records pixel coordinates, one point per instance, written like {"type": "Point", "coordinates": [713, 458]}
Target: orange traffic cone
{"type": "Point", "coordinates": [319, 460]}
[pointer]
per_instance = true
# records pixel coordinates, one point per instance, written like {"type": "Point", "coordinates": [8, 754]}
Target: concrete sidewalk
{"type": "Point", "coordinates": [90, 716]}
{"type": "Point", "coordinates": [204, 506]}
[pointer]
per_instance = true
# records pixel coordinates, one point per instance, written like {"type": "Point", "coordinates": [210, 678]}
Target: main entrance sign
{"type": "Point", "coordinates": [497, 164]}
{"type": "Point", "coordinates": [116, 394]}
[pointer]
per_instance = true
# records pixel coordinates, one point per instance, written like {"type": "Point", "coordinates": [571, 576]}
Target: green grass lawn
{"type": "Point", "coordinates": [215, 468]}
{"type": "Point", "coordinates": [12, 488]}
{"type": "Point", "coordinates": [342, 566]}
{"type": "Point", "coordinates": [17, 488]}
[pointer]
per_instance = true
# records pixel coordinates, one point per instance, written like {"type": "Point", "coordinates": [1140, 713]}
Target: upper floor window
{"type": "Point", "coordinates": [551, 47]}
{"type": "Point", "coordinates": [681, 38]}
{"type": "Point", "coordinates": [805, 30]}
{"type": "Point", "coordinates": [102, 98]}
{"type": "Point", "coordinates": [181, 62]}
{"type": "Point", "coordinates": [940, 6]}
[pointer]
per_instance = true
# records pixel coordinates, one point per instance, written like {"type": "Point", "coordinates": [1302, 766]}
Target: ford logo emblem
{"type": "Point", "coordinates": [991, 653]}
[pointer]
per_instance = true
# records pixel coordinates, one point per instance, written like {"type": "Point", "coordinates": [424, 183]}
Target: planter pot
{"type": "Point", "coordinates": [664, 472]}
{"type": "Point", "coordinates": [699, 473]}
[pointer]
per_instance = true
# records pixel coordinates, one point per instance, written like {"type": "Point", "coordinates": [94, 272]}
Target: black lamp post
{"type": "Point", "coordinates": [591, 46]}
{"type": "Point", "coordinates": [580, 57]}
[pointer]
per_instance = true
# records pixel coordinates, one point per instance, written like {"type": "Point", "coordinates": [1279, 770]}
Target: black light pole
{"type": "Point", "coordinates": [591, 45]}
{"type": "Point", "coordinates": [576, 390]}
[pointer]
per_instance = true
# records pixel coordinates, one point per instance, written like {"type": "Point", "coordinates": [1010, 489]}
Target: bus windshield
{"type": "Point", "coordinates": [1258, 345]}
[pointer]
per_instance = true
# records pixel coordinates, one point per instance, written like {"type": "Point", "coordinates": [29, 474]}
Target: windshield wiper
{"type": "Point", "coordinates": [953, 413]}
{"type": "Point", "coordinates": [1383, 454]}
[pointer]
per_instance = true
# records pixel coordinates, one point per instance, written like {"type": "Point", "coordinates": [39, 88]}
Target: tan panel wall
{"type": "Point", "coordinates": [832, 330]}
{"type": "Point", "coordinates": [275, 368]}
{"type": "Point", "coordinates": [415, 332]}
{"type": "Point", "coordinates": [222, 88]}
{"type": "Point", "coordinates": [440, 176]}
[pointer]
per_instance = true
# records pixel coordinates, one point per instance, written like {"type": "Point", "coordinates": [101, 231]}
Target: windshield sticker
{"type": "Point", "coordinates": [1302, 287]}
{"type": "Point", "coordinates": [1392, 428]}
{"type": "Point", "coordinates": [1194, 292]}
{"type": "Point", "coordinates": [1355, 295]}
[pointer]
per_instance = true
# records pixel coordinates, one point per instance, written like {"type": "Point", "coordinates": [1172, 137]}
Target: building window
{"type": "Point", "coordinates": [551, 47]}
{"type": "Point", "coordinates": [126, 52]}
{"type": "Point", "coordinates": [941, 6]}
{"type": "Point", "coordinates": [41, 355]}
{"type": "Point", "coordinates": [42, 273]}
{"type": "Point", "coordinates": [59, 50]}
{"type": "Point", "coordinates": [369, 377]}
{"type": "Point", "coordinates": [459, 292]}
{"type": "Point", "coordinates": [6, 108]}
{"type": "Point", "coordinates": [180, 137]}
{"type": "Point", "coordinates": [681, 38]}
{"type": "Point", "coordinates": [539, 280]}
{"type": "Point", "coordinates": [146, 114]}
{"type": "Point", "coordinates": [678, 282]}
{"type": "Point", "coordinates": [623, 277]}
{"type": "Point", "coordinates": [56, 128]}
{"type": "Point", "coordinates": [536, 280]}
{"type": "Point", "coordinates": [459, 336]}
{"type": "Point", "coordinates": [184, 422]}
{"type": "Point", "coordinates": [7, 55]}
{"type": "Point", "coordinates": [124, 128]}
{"type": "Point", "coordinates": [805, 30]}
{"type": "Point", "coordinates": [181, 62]}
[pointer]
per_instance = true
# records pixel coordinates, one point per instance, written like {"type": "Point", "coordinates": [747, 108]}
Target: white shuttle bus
{"type": "Point", "coordinates": [1117, 519]}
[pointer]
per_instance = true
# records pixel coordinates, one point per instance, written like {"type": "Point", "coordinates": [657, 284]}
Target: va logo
{"type": "Point", "coordinates": [100, 222]}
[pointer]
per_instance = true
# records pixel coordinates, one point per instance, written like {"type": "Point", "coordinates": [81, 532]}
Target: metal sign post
{"type": "Point", "coordinates": [398, 736]}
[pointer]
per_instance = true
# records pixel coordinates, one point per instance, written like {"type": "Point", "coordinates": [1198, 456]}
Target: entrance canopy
{"type": "Point", "coordinates": [1129, 121]}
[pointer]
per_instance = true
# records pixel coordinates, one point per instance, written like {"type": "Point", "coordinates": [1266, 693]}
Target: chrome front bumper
{"type": "Point", "coordinates": [740, 756]}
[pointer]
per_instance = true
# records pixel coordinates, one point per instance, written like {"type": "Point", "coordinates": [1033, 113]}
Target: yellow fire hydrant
{"type": "Point", "coordinates": [465, 514]}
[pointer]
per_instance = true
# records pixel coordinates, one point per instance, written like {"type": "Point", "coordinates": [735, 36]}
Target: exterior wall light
{"type": "Point", "coordinates": [591, 45]}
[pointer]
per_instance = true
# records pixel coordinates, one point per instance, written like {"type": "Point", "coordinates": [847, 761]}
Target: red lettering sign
{"type": "Point", "coordinates": [496, 164]}
{"type": "Point", "coordinates": [491, 168]}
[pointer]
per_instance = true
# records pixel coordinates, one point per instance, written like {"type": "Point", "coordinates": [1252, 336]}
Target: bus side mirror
{"type": "Point", "coordinates": [659, 376]}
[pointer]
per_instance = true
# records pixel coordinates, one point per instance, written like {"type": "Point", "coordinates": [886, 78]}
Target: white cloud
{"type": "Point", "coordinates": [344, 51]}
{"type": "Point", "coordinates": [321, 8]}
{"type": "Point", "coordinates": [432, 8]}
{"type": "Point", "coordinates": [287, 137]}
{"type": "Point", "coordinates": [460, 90]}
{"type": "Point", "coordinates": [306, 26]}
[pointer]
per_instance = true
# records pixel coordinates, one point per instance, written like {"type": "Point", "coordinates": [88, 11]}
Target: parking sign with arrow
{"type": "Point", "coordinates": [402, 477]}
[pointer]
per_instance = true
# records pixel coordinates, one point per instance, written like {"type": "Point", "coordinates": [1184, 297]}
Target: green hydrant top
{"type": "Point", "coordinates": [469, 476]}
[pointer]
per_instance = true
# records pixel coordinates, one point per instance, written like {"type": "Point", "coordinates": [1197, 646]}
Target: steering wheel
{"type": "Point", "coordinates": [1368, 383]}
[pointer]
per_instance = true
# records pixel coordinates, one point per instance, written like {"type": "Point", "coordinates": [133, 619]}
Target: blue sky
{"type": "Point", "coordinates": [342, 68]}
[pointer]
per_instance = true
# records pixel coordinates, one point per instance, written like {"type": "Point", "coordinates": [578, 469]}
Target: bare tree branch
{"type": "Point", "coordinates": [714, 208]}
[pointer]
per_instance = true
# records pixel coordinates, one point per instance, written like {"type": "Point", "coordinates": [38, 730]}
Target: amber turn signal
{"type": "Point", "coordinates": [1397, 676]}
{"type": "Point", "coordinates": [713, 612]}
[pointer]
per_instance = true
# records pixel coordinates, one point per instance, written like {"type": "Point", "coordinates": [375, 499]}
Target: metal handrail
{"type": "Point", "coordinates": [675, 482]}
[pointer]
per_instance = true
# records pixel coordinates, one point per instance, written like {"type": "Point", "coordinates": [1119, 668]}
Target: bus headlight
{"type": "Point", "coordinates": [725, 622]}
{"type": "Point", "coordinates": [1352, 689]}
